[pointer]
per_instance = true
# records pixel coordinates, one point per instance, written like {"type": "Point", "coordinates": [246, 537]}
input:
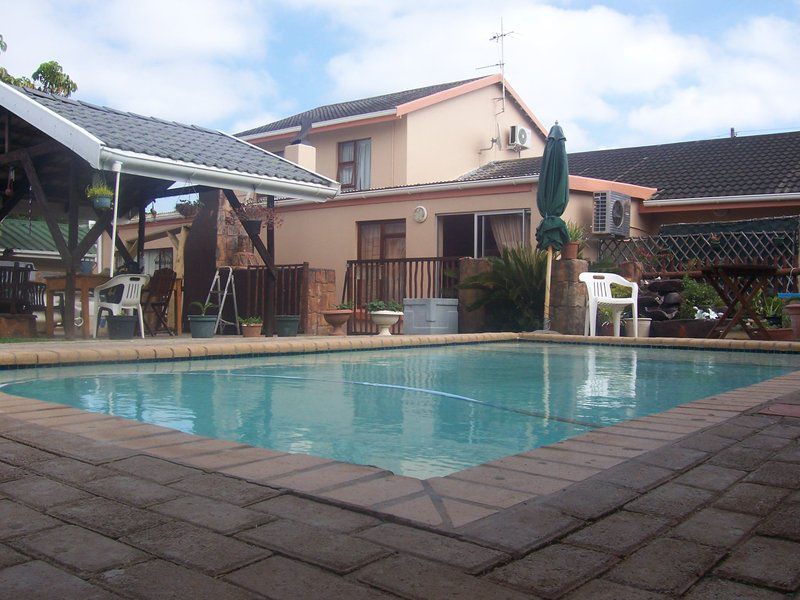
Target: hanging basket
{"type": "Point", "coordinates": [102, 202]}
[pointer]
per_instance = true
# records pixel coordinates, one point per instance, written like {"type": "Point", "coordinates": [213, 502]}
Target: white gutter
{"type": "Point", "coordinates": [723, 199]}
{"type": "Point", "coordinates": [437, 187]}
{"type": "Point", "coordinates": [174, 170]}
{"type": "Point", "coordinates": [267, 134]}
{"type": "Point", "coordinates": [373, 115]}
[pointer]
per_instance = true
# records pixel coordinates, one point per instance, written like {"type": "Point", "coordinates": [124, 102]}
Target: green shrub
{"type": "Point", "coordinates": [378, 305]}
{"type": "Point", "coordinates": [697, 294]}
{"type": "Point", "coordinates": [513, 290]}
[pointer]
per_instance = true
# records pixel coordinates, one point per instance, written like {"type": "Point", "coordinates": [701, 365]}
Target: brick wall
{"type": "Point", "coordinates": [319, 296]}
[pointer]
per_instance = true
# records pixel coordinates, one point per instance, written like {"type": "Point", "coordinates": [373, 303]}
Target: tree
{"type": "Point", "coordinates": [49, 77]}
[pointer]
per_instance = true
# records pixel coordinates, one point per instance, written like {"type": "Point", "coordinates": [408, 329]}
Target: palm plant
{"type": "Point", "coordinates": [513, 289]}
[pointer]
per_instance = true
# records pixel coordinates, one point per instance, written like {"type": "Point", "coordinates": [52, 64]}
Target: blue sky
{"type": "Point", "coordinates": [614, 72]}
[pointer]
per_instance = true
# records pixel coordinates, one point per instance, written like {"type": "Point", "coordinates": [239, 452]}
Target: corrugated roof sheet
{"type": "Point", "coordinates": [739, 166]}
{"type": "Point", "coordinates": [171, 140]}
{"type": "Point", "coordinates": [352, 108]}
{"type": "Point", "coordinates": [16, 234]}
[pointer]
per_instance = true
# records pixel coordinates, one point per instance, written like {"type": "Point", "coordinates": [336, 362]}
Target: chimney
{"type": "Point", "coordinates": [302, 154]}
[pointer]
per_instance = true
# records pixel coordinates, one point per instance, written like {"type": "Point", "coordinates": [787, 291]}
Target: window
{"type": "Point", "coordinates": [381, 239]}
{"type": "Point", "coordinates": [355, 163]}
{"type": "Point", "coordinates": [157, 259]}
{"type": "Point", "coordinates": [483, 234]}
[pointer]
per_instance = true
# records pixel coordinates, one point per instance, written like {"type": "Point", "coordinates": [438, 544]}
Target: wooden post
{"type": "Point", "coordinates": [546, 319]}
{"type": "Point", "coordinates": [272, 288]}
{"type": "Point", "coordinates": [72, 262]}
{"type": "Point", "coordinates": [140, 235]}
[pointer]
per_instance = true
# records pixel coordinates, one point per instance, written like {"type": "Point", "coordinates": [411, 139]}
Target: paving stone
{"type": "Point", "coordinates": [425, 544]}
{"type": "Point", "coordinates": [538, 466]}
{"type": "Point", "coordinates": [475, 492]}
{"type": "Point", "coordinates": [665, 565]}
{"type": "Point", "coordinates": [784, 522]}
{"type": "Point", "coordinates": [561, 455]}
{"type": "Point", "coordinates": [207, 512]}
{"type": "Point", "coordinates": [107, 516]}
{"type": "Point", "coordinates": [132, 490]}
{"type": "Point", "coordinates": [673, 458]}
{"type": "Point", "coordinates": [751, 498]}
{"type": "Point", "coordinates": [754, 421]}
{"type": "Point", "coordinates": [600, 589]}
{"type": "Point", "coordinates": [590, 499]}
{"type": "Point", "coordinates": [70, 470]}
{"type": "Point", "coordinates": [782, 430]}
{"type": "Point", "coordinates": [7, 472]}
{"type": "Point", "coordinates": [790, 454]}
{"type": "Point", "coordinates": [777, 474]}
{"type": "Point", "coordinates": [315, 513]}
{"type": "Point", "coordinates": [733, 432]}
{"type": "Point", "coordinates": [326, 548]}
{"type": "Point", "coordinates": [634, 475]}
{"type": "Point", "coordinates": [98, 452]}
{"type": "Point", "coordinates": [520, 528]}
{"type": "Point", "coordinates": [671, 500]}
{"type": "Point", "coordinates": [22, 455]}
{"type": "Point", "coordinates": [765, 561]}
{"type": "Point", "coordinates": [710, 477]}
{"type": "Point", "coordinates": [195, 547]}
{"type": "Point", "coordinates": [17, 520]}
{"type": "Point", "coordinates": [225, 489]}
{"type": "Point", "coordinates": [619, 533]}
{"type": "Point", "coordinates": [161, 580]}
{"type": "Point", "coordinates": [284, 579]}
{"type": "Point", "coordinates": [9, 557]}
{"type": "Point", "coordinates": [706, 442]}
{"type": "Point", "coordinates": [714, 527]}
{"type": "Point", "coordinates": [156, 469]}
{"type": "Point", "coordinates": [554, 570]}
{"type": "Point", "coordinates": [79, 549]}
{"type": "Point", "coordinates": [738, 457]}
{"type": "Point", "coordinates": [512, 480]}
{"type": "Point", "coordinates": [41, 492]}
{"type": "Point", "coordinates": [720, 589]}
{"type": "Point", "coordinates": [377, 491]}
{"type": "Point", "coordinates": [765, 442]}
{"type": "Point", "coordinates": [39, 581]}
{"type": "Point", "coordinates": [418, 579]}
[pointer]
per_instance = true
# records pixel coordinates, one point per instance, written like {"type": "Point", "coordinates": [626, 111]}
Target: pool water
{"type": "Point", "coordinates": [420, 412]}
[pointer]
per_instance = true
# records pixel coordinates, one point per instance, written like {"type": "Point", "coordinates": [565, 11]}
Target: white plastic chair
{"type": "Point", "coordinates": [599, 287]}
{"type": "Point", "coordinates": [130, 299]}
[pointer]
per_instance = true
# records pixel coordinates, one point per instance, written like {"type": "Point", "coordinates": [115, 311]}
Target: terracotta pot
{"type": "Point", "coordinates": [793, 310]}
{"type": "Point", "coordinates": [776, 335]}
{"type": "Point", "coordinates": [251, 330]}
{"type": "Point", "coordinates": [686, 328]}
{"type": "Point", "coordinates": [569, 251]}
{"type": "Point", "coordinates": [338, 319]}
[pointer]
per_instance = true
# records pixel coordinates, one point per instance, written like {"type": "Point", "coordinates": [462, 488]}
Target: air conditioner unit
{"type": "Point", "coordinates": [612, 214]}
{"type": "Point", "coordinates": [519, 137]}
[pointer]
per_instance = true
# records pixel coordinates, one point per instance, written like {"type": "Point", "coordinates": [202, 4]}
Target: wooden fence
{"type": "Point", "coordinates": [292, 284]}
{"type": "Point", "coordinates": [394, 279]}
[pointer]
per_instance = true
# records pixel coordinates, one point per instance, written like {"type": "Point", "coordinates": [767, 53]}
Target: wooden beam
{"type": "Point", "coordinates": [9, 205]}
{"type": "Point", "coordinates": [38, 150]}
{"type": "Point", "coordinates": [258, 244]}
{"type": "Point", "coordinates": [103, 220]}
{"type": "Point", "coordinates": [72, 243]}
{"type": "Point", "coordinates": [123, 251]}
{"type": "Point", "coordinates": [140, 235]}
{"type": "Point", "coordinates": [41, 198]}
{"type": "Point", "coordinates": [272, 287]}
{"type": "Point", "coordinates": [191, 189]}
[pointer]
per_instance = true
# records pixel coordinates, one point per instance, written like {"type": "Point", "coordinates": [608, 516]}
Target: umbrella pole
{"type": "Point", "coordinates": [546, 324]}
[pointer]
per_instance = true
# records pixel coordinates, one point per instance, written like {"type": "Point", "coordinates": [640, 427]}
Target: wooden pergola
{"type": "Point", "coordinates": [54, 147]}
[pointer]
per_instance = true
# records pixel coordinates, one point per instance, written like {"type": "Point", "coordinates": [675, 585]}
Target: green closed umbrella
{"type": "Point", "coordinates": [552, 196]}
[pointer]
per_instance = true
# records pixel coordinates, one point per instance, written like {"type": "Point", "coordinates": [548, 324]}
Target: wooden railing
{"type": "Point", "coordinates": [251, 290]}
{"type": "Point", "coordinates": [394, 279]}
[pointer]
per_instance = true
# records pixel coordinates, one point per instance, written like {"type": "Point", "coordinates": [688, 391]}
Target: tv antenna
{"type": "Point", "coordinates": [499, 39]}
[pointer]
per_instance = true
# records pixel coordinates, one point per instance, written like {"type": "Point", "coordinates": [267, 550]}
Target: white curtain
{"type": "Point", "coordinates": [363, 164]}
{"type": "Point", "coordinates": [507, 230]}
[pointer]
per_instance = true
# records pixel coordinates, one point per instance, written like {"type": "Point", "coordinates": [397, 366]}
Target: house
{"type": "Point", "coordinates": [30, 241]}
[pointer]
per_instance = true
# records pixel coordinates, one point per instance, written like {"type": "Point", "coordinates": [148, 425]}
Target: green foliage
{"type": "Point", "coordinates": [187, 208]}
{"type": "Point", "coordinates": [697, 294]}
{"type": "Point", "coordinates": [3, 45]}
{"type": "Point", "coordinates": [50, 78]}
{"type": "Point", "coordinates": [768, 306]}
{"type": "Point", "coordinates": [604, 266]}
{"type": "Point", "coordinates": [513, 289]}
{"type": "Point", "coordinates": [576, 232]}
{"type": "Point", "coordinates": [204, 307]}
{"type": "Point", "coordinates": [378, 305]}
{"type": "Point", "coordinates": [100, 190]}
{"type": "Point", "coordinates": [345, 306]}
{"type": "Point", "coordinates": [251, 321]}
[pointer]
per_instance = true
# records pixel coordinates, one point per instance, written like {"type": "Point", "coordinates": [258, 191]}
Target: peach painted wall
{"type": "Point", "coordinates": [444, 139]}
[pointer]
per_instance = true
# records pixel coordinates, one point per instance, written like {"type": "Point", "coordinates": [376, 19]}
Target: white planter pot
{"type": "Point", "coordinates": [644, 327]}
{"type": "Point", "coordinates": [384, 319]}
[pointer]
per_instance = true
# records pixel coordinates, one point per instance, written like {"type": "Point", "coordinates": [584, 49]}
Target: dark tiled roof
{"type": "Point", "coordinates": [747, 165]}
{"type": "Point", "coordinates": [22, 236]}
{"type": "Point", "coordinates": [353, 108]}
{"type": "Point", "coordinates": [171, 140]}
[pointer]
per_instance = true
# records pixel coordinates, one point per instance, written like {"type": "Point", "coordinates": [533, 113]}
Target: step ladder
{"type": "Point", "coordinates": [218, 294]}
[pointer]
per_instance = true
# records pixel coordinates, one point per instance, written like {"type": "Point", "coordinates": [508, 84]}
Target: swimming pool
{"type": "Point", "coordinates": [420, 412]}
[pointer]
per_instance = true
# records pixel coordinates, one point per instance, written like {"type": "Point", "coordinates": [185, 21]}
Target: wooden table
{"type": "Point", "coordinates": [738, 285]}
{"type": "Point", "coordinates": [84, 284]}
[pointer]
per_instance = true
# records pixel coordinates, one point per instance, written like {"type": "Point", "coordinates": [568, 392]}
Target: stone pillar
{"type": "Point", "coordinates": [471, 321]}
{"type": "Point", "coordinates": [568, 297]}
{"type": "Point", "coordinates": [631, 270]}
{"type": "Point", "coordinates": [320, 295]}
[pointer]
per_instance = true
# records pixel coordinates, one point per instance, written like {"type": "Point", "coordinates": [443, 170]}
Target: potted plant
{"type": "Point", "coordinates": [101, 196]}
{"type": "Point", "coordinates": [577, 240]}
{"type": "Point", "coordinates": [338, 317]}
{"type": "Point", "coordinates": [769, 307]}
{"type": "Point", "coordinates": [121, 327]}
{"type": "Point", "coordinates": [203, 325]}
{"type": "Point", "coordinates": [384, 314]}
{"type": "Point", "coordinates": [187, 208]}
{"type": "Point", "coordinates": [251, 326]}
{"type": "Point", "coordinates": [287, 325]}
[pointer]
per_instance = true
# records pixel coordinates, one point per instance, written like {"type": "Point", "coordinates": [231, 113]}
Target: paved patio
{"type": "Point", "coordinates": [91, 508]}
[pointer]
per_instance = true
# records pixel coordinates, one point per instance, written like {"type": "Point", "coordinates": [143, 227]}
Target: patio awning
{"type": "Point", "coordinates": [160, 149]}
